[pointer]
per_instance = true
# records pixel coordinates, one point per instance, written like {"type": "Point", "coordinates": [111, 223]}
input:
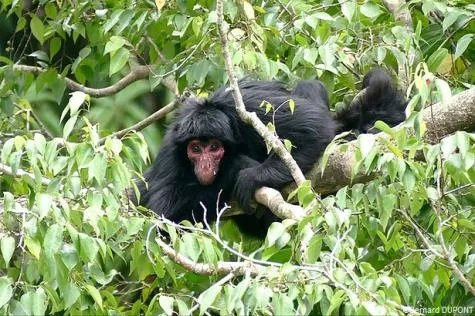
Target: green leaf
{"type": "Point", "coordinates": [97, 168]}
{"type": "Point", "coordinates": [207, 298]}
{"type": "Point", "coordinates": [20, 25]}
{"type": "Point", "coordinates": [88, 246]}
{"type": "Point", "coordinates": [115, 17]}
{"type": "Point", "coordinates": [114, 145]}
{"type": "Point", "coordinates": [209, 253]}
{"type": "Point", "coordinates": [370, 10]}
{"type": "Point", "coordinates": [348, 8]}
{"type": "Point", "coordinates": [314, 248]}
{"type": "Point", "coordinates": [53, 239]}
{"type": "Point", "coordinates": [19, 143]}
{"type": "Point", "coordinates": [50, 10]}
{"type": "Point", "coordinates": [409, 181]}
{"type": "Point", "coordinates": [366, 143]}
{"type": "Point", "coordinates": [383, 127]}
{"type": "Point", "coordinates": [69, 256]}
{"type": "Point", "coordinates": [292, 106]}
{"type": "Point", "coordinates": [196, 25]}
{"type": "Point", "coordinates": [389, 201]}
{"type": "Point", "coordinates": [7, 245]}
{"type": "Point", "coordinates": [462, 45]}
{"type": "Point", "coordinates": [288, 145]}
{"type": "Point", "coordinates": [198, 72]}
{"type": "Point", "coordinates": [448, 145]}
{"type": "Point", "coordinates": [310, 55]}
{"type": "Point", "coordinates": [35, 303]}
{"type": "Point", "coordinates": [248, 10]}
{"type": "Point", "coordinates": [182, 307]}
{"type": "Point", "coordinates": [7, 150]}
{"type": "Point", "coordinates": [54, 47]}
{"type": "Point", "coordinates": [118, 60]}
{"type": "Point", "coordinates": [276, 230]}
{"type": "Point", "coordinates": [436, 59]}
{"type": "Point", "coordinates": [444, 90]}
{"type": "Point", "coordinates": [463, 142]}
{"type": "Point", "coordinates": [114, 43]}
{"type": "Point", "coordinates": [6, 290]}
{"type": "Point", "coordinates": [96, 296]}
{"type": "Point", "coordinates": [282, 304]}
{"type": "Point", "coordinates": [33, 246]}
{"type": "Point", "coordinates": [191, 246]}
{"type": "Point", "coordinates": [38, 29]}
{"type": "Point", "coordinates": [83, 53]}
{"type": "Point", "coordinates": [77, 99]}
{"type": "Point", "coordinates": [312, 21]}
{"type": "Point", "coordinates": [134, 225]}
{"type": "Point", "coordinates": [44, 202]}
{"type": "Point", "coordinates": [404, 288]}
{"type": "Point", "coordinates": [166, 303]}
{"type": "Point", "coordinates": [336, 301]}
{"type": "Point", "coordinates": [70, 295]}
{"type": "Point", "coordinates": [68, 127]}
{"type": "Point", "coordinates": [450, 19]}
{"type": "Point", "coordinates": [323, 16]}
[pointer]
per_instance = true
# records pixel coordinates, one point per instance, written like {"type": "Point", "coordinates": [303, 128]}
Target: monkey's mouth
{"type": "Point", "coordinates": [207, 178]}
{"type": "Point", "coordinates": [206, 173]}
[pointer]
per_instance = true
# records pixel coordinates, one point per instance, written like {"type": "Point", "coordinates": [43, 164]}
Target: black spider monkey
{"type": "Point", "coordinates": [209, 149]}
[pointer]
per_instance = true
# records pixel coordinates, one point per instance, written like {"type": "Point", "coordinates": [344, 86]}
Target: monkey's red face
{"type": "Point", "coordinates": [206, 157]}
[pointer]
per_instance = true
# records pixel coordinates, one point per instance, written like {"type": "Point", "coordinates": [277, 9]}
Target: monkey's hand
{"type": "Point", "coordinates": [244, 189]}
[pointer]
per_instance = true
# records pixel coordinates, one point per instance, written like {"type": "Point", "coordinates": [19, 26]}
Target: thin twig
{"type": "Point", "coordinates": [144, 123]}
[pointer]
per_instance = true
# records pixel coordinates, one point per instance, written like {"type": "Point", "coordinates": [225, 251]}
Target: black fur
{"type": "Point", "coordinates": [381, 101]}
{"type": "Point", "coordinates": [174, 191]}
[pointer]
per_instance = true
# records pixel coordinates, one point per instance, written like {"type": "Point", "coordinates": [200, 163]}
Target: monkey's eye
{"type": "Point", "coordinates": [195, 148]}
{"type": "Point", "coordinates": [214, 147]}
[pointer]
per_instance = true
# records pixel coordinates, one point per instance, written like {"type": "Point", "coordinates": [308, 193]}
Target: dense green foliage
{"type": "Point", "coordinates": [70, 242]}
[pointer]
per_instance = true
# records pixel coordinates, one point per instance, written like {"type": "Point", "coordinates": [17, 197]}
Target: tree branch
{"type": "Point", "coordinates": [221, 267]}
{"type": "Point", "coordinates": [137, 73]}
{"type": "Point", "coordinates": [441, 120]}
{"type": "Point", "coordinates": [144, 123]}
{"type": "Point", "coordinates": [251, 118]}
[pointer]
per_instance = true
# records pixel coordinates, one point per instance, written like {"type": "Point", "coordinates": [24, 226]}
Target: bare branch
{"type": "Point", "coordinates": [221, 267]}
{"type": "Point", "coordinates": [137, 73]}
{"type": "Point", "coordinates": [144, 123]}
{"type": "Point", "coordinates": [251, 118]}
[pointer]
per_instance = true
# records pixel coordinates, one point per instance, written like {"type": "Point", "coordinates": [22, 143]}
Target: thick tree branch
{"type": "Point", "coordinates": [441, 120]}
